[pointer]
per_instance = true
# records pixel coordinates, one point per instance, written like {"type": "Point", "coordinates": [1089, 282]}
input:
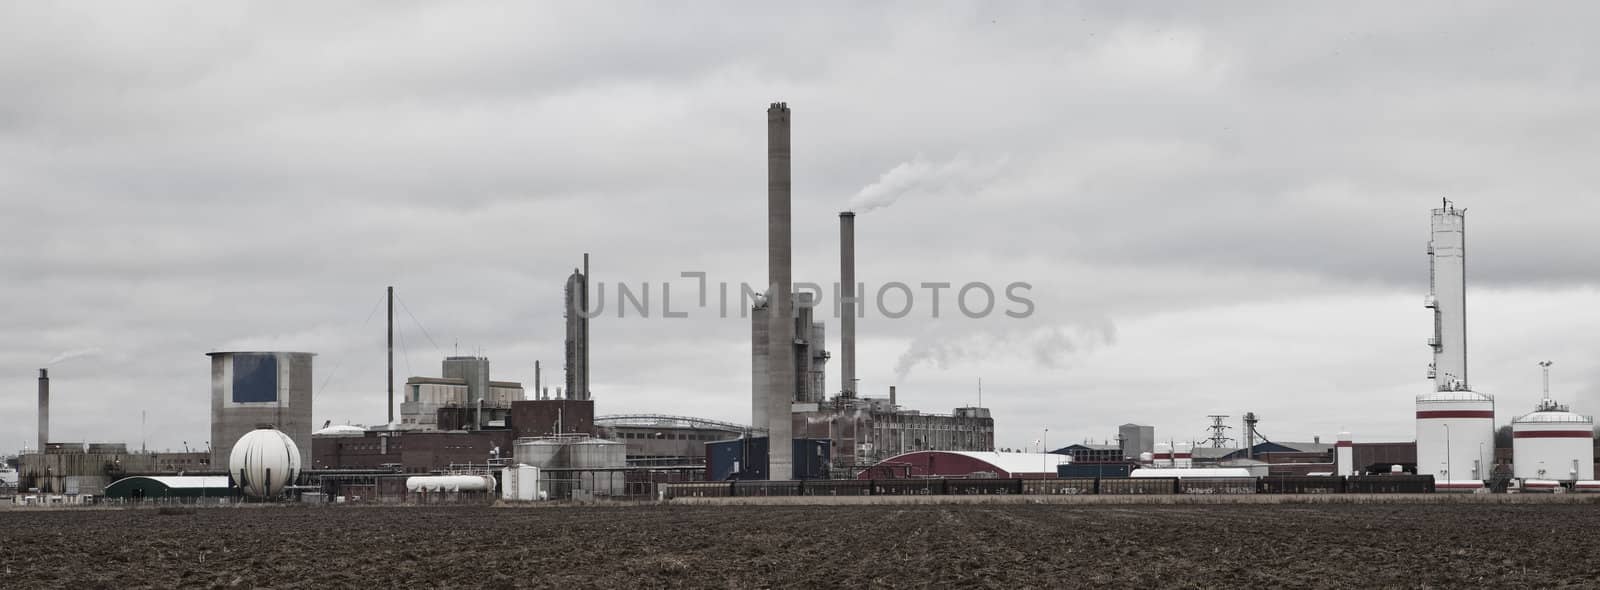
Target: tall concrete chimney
{"type": "Point", "coordinates": [848, 303]}
{"type": "Point", "coordinates": [44, 408]}
{"type": "Point", "coordinates": [780, 298]}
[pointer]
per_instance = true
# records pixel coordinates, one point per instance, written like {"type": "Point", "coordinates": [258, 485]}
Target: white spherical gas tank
{"type": "Point", "coordinates": [263, 462]}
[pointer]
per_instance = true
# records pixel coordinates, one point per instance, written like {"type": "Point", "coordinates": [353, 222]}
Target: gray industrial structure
{"type": "Point", "coordinates": [1136, 439]}
{"type": "Point", "coordinates": [577, 315]}
{"type": "Point", "coordinates": [249, 389]}
{"type": "Point", "coordinates": [807, 354]}
{"type": "Point", "coordinates": [866, 430]}
{"type": "Point", "coordinates": [463, 398]}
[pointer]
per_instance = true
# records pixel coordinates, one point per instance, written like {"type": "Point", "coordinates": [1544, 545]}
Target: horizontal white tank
{"type": "Point", "coordinates": [1455, 438]}
{"type": "Point", "coordinates": [1552, 443]}
{"type": "Point", "coordinates": [450, 483]}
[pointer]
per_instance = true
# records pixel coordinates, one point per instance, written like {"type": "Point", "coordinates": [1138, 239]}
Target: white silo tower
{"type": "Point", "coordinates": [1551, 442]}
{"type": "Point", "coordinates": [1455, 425]}
{"type": "Point", "coordinates": [263, 462]}
{"type": "Point", "coordinates": [1344, 455]}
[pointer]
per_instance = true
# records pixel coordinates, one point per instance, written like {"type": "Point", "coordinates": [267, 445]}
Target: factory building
{"type": "Point", "coordinates": [1552, 443]}
{"type": "Point", "coordinates": [464, 397]}
{"type": "Point", "coordinates": [413, 451]}
{"type": "Point", "coordinates": [1455, 425]}
{"type": "Point", "coordinates": [250, 389]}
{"type": "Point", "coordinates": [86, 468]}
{"type": "Point", "coordinates": [420, 451]}
{"type": "Point", "coordinates": [865, 431]}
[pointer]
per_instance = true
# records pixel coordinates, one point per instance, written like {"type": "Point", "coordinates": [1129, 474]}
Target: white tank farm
{"type": "Point", "coordinates": [263, 462]}
{"type": "Point", "coordinates": [1553, 443]}
{"type": "Point", "coordinates": [450, 483]}
{"type": "Point", "coordinates": [1455, 438]}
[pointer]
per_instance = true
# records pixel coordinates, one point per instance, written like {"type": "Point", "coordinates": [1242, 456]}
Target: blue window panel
{"type": "Point", "coordinates": [255, 378]}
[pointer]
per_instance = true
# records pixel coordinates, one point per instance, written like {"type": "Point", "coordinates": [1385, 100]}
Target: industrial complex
{"type": "Point", "coordinates": [462, 436]}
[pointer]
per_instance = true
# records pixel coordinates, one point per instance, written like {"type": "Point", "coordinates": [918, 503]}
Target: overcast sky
{"type": "Point", "coordinates": [1219, 210]}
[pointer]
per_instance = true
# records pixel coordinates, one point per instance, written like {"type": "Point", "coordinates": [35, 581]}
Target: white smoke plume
{"type": "Point", "coordinates": [1049, 346]}
{"type": "Point", "coordinates": [72, 354]}
{"type": "Point", "coordinates": [921, 176]}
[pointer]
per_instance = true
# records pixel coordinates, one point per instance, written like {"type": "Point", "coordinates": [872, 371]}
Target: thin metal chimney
{"type": "Point", "coordinates": [535, 379]}
{"type": "Point", "coordinates": [44, 408]}
{"type": "Point", "coordinates": [391, 354]}
{"type": "Point", "coordinates": [780, 297]}
{"type": "Point", "coordinates": [849, 306]}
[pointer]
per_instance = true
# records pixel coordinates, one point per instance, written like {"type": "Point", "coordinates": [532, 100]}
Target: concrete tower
{"type": "Point", "coordinates": [780, 300]}
{"type": "Point", "coordinates": [251, 389]}
{"type": "Point", "coordinates": [848, 304]}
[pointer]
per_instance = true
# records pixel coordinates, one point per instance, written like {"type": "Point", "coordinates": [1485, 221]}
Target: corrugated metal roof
{"type": "Point", "coordinates": [189, 481]}
{"type": "Point", "coordinates": [1016, 462]}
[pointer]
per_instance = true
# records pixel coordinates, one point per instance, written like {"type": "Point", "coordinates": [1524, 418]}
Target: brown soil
{"type": "Point", "coordinates": [977, 545]}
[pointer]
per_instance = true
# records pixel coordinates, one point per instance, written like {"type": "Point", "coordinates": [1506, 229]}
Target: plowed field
{"type": "Point", "coordinates": [958, 546]}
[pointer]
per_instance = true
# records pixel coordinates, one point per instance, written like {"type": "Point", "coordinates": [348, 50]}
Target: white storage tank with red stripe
{"type": "Point", "coordinates": [1344, 455]}
{"type": "Point", "coordinates": [1455, 438]}
{"type": "Point", "coordinates": [1553, 443]}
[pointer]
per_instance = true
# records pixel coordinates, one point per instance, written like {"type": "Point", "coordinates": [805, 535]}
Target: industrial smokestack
{"type": "Point", "coordinates": [780, 297]}
{"type": "Point", "coordinates": [848, 303]}
{"type": "Point", "coordinates": [535, 379]}
{"type": "Point", "coordinates": [44, 408]}
{"type": "Point", "coordinates": [892, 402]}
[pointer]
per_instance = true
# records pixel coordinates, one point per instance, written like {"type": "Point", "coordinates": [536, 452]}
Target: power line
{"type": "Point", "coordinates": [339, 364]}
{"type": "Point", "coordinates": [419, 325]}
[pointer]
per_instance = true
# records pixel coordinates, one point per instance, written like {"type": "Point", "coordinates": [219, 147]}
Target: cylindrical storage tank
{"type": "Point", "coordinates": [1163, 456]}
{"type": "Point", "coordinates": [544, 453]}
{"type": "Point", "coordinates": [1455, 438]}
{"type": "Point", "coordinates": [1183, 456]}
{"type": "Point", "coordinates": [450, 483]}
{"type": "Point", "coordinates": [1553, 444]}
{"type": "Point", "coordinates": [1344, 455]}
{"type": "Point", "coordinates": [597, 453]}
{"type": "Point", "coordinates": [263, 461]}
